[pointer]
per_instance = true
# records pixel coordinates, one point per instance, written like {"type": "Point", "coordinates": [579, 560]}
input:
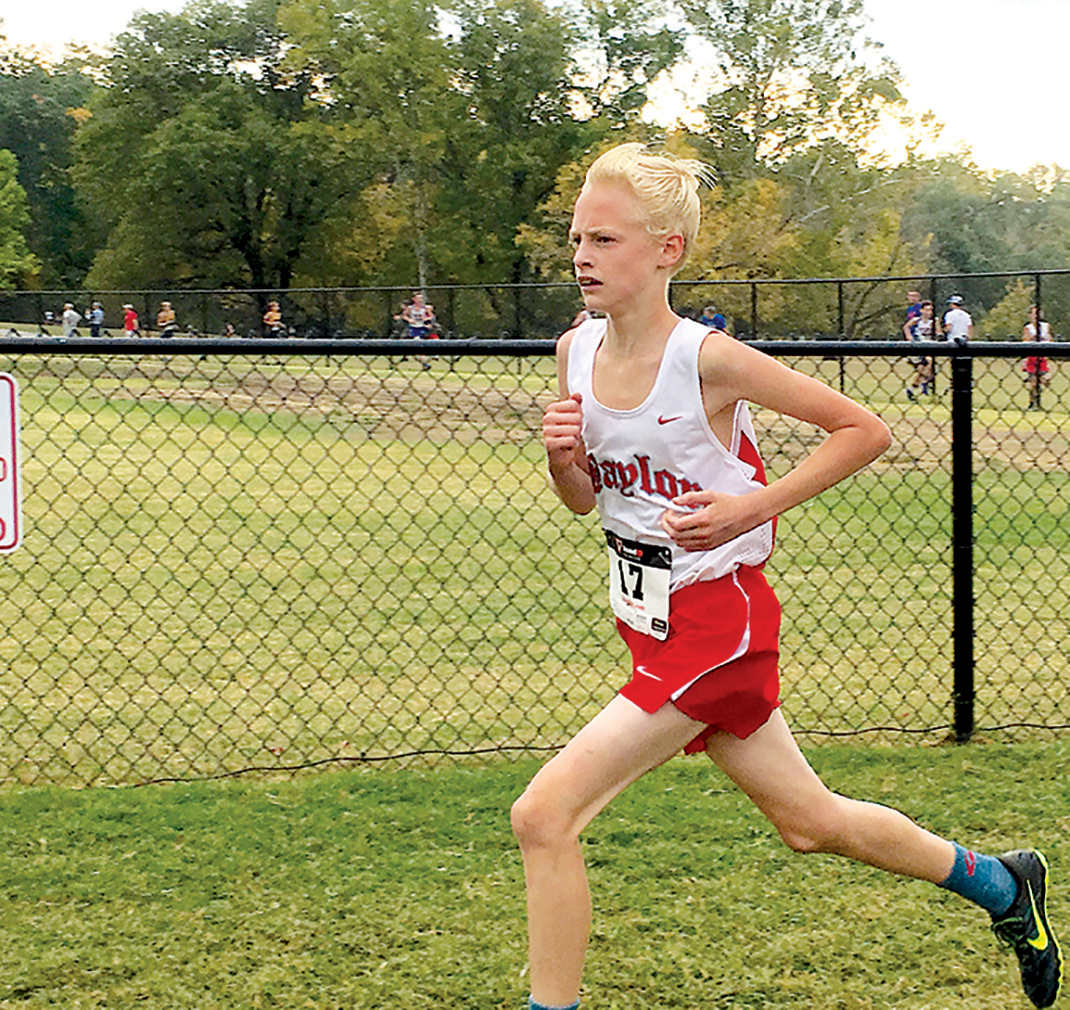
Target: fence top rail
{"type": "Point", "coordinates": [356, 347]}
{"type": "Point", "coordinates": [901, 348]}
{"type": "Point", "coordinates": [528, 285]}
{"type": "Point", "coordinates": [256, 346]}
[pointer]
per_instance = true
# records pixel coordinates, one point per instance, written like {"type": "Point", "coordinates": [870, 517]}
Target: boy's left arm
{"type": "Point", "coordinates": [731, 371]}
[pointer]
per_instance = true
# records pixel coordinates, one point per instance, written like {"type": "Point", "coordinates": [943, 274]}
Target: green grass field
{"type": "Point", "coordinates": [237, 563]}
{"type": "Point", "coordinates": [225, 569]}
{"type": "Point", "coordinates": [398, 889]}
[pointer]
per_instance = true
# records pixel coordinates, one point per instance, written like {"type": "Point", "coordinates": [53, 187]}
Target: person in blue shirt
{"type": "Point", "coordinates": [709, 316]}
{"type": "Point", "coordinates": [95, 318]}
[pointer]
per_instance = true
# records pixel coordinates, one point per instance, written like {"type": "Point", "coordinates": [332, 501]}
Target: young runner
{"type": "Point", "coordinates": [922, 327]}
{"type": "Point", "coordinates": [130, 327]}
{"type": "Point", "coordinates": [1036, 368]}
{"type": "Point", "coordinates": [958, 323]}
{"type": "Point", "coordinates": [652, 428]}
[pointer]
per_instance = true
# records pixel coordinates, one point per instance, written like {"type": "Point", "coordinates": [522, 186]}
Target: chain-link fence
{"type": "Point", "coordinates": [255, 554]}
{"type": "Point", "coordinates": [850, 308]}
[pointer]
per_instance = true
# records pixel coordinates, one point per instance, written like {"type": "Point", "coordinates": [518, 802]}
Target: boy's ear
{"type": "Point", "coordinates": [672, 249]}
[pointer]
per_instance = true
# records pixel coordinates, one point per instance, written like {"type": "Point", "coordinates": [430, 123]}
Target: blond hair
{"type": "Point", "coordinates": [665, 186]}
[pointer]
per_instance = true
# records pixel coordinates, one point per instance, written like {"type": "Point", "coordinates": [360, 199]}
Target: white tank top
{"type": "Point", "coordinates": [640, 459]}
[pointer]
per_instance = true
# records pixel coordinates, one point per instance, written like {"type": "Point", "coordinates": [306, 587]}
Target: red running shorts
{"type": "Point", "coordinates": [719, 664]}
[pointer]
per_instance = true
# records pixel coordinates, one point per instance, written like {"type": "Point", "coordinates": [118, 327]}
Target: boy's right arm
{"type": "Point", "coordinates": [562, 426]}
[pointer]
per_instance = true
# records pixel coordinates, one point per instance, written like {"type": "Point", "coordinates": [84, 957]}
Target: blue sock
{"type": "Point", "coordinates": [532, 1005]}
{"type": "Point", "coordinates": [983, 880]}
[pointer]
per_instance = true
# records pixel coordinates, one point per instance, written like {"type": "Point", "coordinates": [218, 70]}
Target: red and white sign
{"type": "Point", "coordinates": [10, 511]}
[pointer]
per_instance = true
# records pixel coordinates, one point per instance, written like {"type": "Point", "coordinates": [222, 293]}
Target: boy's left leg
{"type": "Point", "coordinates": [769, 767]}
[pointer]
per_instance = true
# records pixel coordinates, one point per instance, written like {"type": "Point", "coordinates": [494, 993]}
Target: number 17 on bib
{"type": "Point", "coordinates": [639, 584]}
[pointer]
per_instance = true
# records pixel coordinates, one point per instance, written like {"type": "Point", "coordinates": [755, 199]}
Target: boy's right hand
{"type": "Point", "coordinates": [562, 426]}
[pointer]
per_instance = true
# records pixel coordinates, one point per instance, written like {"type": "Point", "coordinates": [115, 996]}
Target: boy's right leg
{"type": "Point", "coordinates": [614, 749]}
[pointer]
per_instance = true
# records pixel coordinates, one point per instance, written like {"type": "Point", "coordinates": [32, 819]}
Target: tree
{"type": "Point", "coordinates": [17, 263]}
{"type": "Point", "coordinates": [974, 223]}
{"type": "Point", "coordinates": [787, 75]}
{"type": "Point", "coordinates": [454, 122]}
{"type": "Point", "coordinates": [514, 72]}
{"type": "Point", "coordinates": [1008, 317]}
{"type": "Point", "coordinates": [40, 108]}
{"type": "Point", "coordinates": [382, 69]}
{"type": "Point", "coordinates": [198, 159]}
{"type": "Point", "coordinates": [620, 48]}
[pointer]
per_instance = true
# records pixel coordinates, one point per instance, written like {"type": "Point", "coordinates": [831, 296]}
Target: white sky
{"type": "Point", "coordinates": [990, 70]}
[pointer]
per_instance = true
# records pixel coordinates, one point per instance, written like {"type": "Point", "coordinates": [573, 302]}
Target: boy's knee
{"type": "Point", "coordinates": [819, 830]}
{"type": "Point", "coordinates": [529, 822]}
{"type": "Point", "coordinates": [535, 822]}
{"type": "Point", "coordinates": [804, 840]}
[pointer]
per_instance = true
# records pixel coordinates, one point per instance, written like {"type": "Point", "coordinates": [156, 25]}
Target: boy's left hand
{"type": "Point", "coordinates": [711, 519]}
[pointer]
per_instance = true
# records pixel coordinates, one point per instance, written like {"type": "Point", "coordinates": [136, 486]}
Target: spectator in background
{"type": "Point", "coordinates": [709, 314]}
{"type": "Point", "coordinates": [165, 320]}
{"type": "Point", "coordinates": [273, 320]}
{"type": "Point", "coordinates": [913, 313]}
{"type": "Point", "coordinates": [399, 328]}
{"type": "Point", "coordinates": [420, 321]}
{"type": "Point", "coordinates": [419, 317]}
{"type": "Point", "coordinates": [71, 318]}
{"type": "Point", "coordinates": [95, 318]}
{"type": "Point", "coordinates": [958, 325]}
{"type": "Point", "coordinates": [918, 328]}
{"type": "Point", "coordinates": [1036, 367]}
{"type": "Point", "coordinates": [130, 323]}
{"type": "Point", "coordinates": [719, 322]}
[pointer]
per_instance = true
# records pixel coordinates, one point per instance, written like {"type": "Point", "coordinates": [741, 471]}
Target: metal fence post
{"type": "Point", "coordinates": [962, 539]}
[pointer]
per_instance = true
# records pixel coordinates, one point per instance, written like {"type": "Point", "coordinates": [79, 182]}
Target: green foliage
{"type": "Point", "coordinates": [789, 74]}
{"type": "Point", "coordinates": [277, 143]}
{"type": "Point", "coordinates": [1007, 320]}
{"type": "Point", "coordinates": [972, 223]}
{"type": "Point", "coordinates": [515, 69]}
{"type": "Point", "coordinates": [196, 156]}
{"type": "Point", "coordinates": [382, 70]}
{"type": "Point", "coordinates": [17, 263]}
{"type": "Point", "coordinates": [451, 140]}
{"type": "Point", "coordinates": [40, 108]}
{"type": "Point", "coordinates": [621, 47]}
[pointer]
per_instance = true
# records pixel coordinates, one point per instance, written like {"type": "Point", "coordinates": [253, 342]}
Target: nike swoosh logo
{"type": "Point", "coordinates": [646, 673]}
{"type": "Point", "coordinates": [1041, 941]}
{"type": "Point", "coordinates": [669, 420]}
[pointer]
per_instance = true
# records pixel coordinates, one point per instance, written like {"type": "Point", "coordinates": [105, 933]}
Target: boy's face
{"type": "Point", "coordinates": [617, 261]}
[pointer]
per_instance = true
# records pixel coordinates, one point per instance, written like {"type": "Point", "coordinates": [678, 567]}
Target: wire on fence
{"type": "Point", "coordinates": [273, 558]}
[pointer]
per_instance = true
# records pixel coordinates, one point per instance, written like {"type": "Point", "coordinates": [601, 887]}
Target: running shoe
{"type": "Point", "coordinates": [1024, 926]}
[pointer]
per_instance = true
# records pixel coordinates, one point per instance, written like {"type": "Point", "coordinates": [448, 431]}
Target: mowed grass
{"type": "Point", "coordinates": [234, 563]}
{"type": "Point", "coordinates": [397, 889]}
